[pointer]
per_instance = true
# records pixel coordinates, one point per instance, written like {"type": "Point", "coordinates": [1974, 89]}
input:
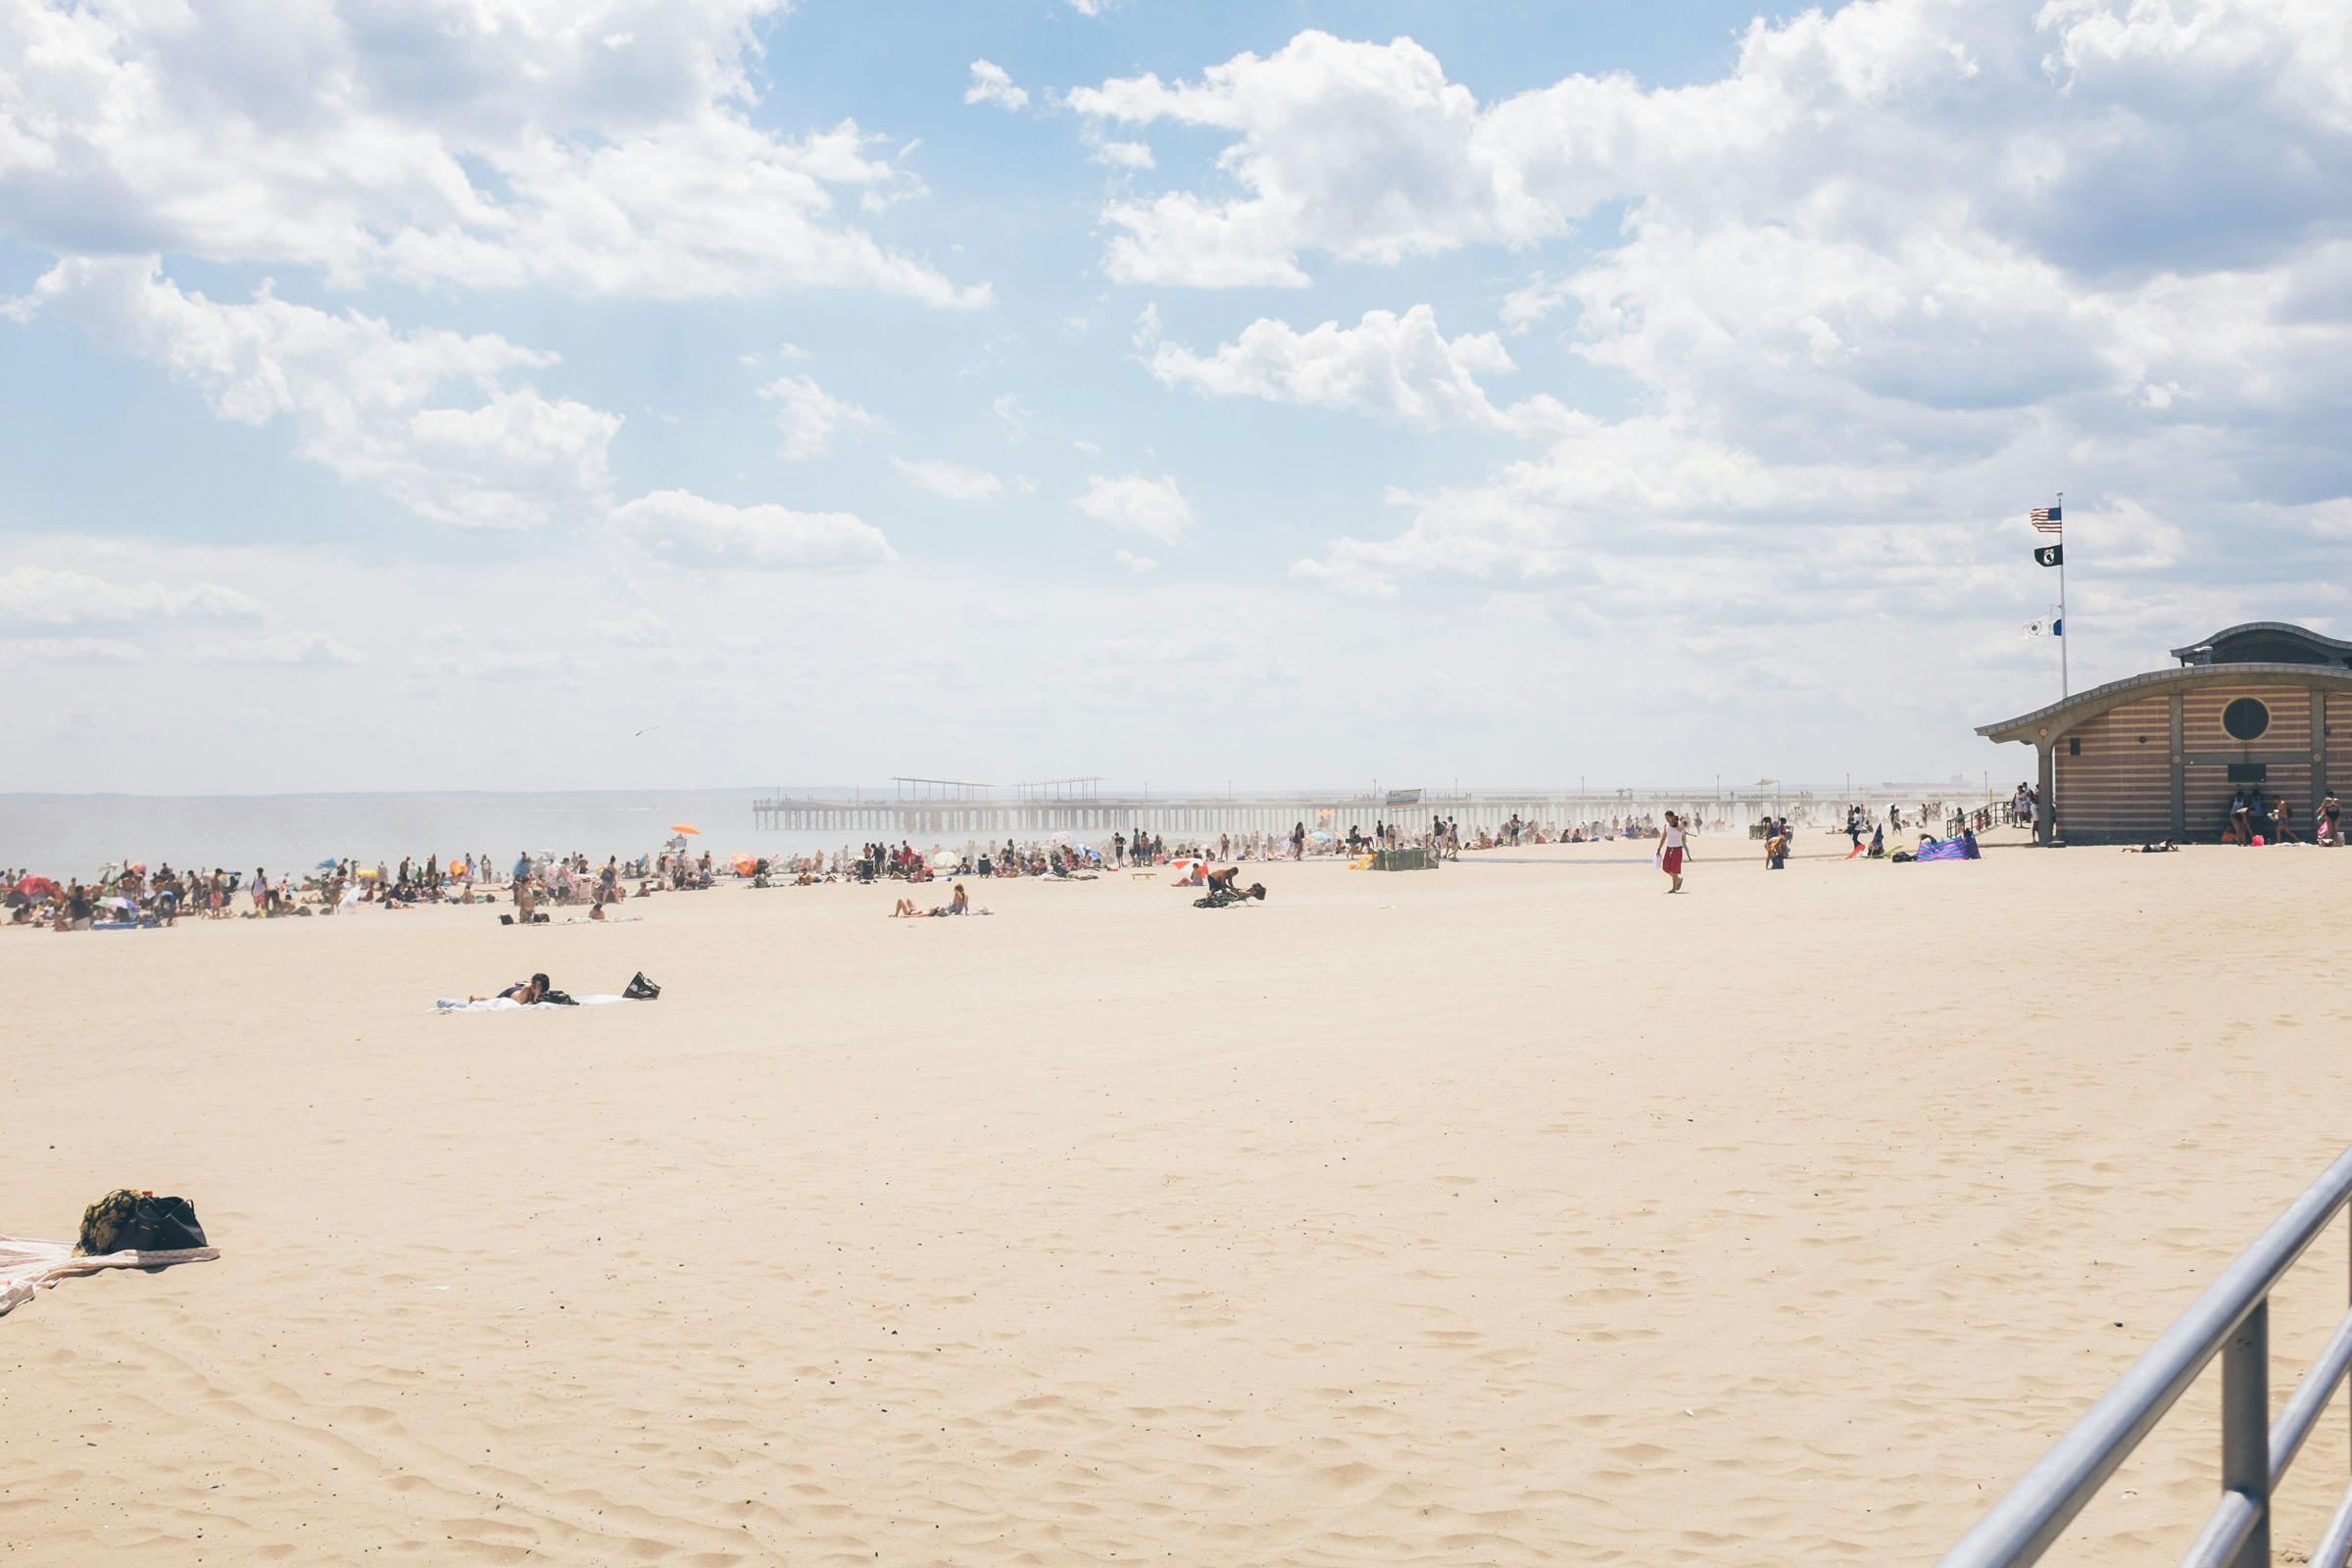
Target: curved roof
{"type": "Point", "coordinates": [2270, 634]}
{"type": "Point", "coordinates": [2064, 714]}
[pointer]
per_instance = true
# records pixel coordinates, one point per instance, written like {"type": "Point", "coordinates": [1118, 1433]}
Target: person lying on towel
{"type": "Point", "coordinates": [960, 904]}
{"type": "Point", "coordinates": [522, 991]}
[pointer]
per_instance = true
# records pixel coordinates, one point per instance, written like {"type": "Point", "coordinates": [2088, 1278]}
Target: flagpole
{"type": "Point", "coordinates": [2062, 632]}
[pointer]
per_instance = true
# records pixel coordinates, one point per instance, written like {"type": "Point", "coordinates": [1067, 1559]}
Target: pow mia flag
{"type": "Point", "coordinates": [2049, 555]}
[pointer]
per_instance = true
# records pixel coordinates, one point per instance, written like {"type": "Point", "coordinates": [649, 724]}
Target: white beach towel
{"type": "Point", "coordinates": [27, 1265]}
{"type": "Point", "coordinates": [510, 1005]}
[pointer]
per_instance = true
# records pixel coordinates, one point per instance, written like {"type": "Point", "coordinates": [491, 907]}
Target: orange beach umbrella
{"type": "Point", "coordinates": [685, 827]}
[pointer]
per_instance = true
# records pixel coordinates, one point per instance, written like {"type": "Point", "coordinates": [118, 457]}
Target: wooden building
{"type": "Point", "coordinates": [2160, 755]}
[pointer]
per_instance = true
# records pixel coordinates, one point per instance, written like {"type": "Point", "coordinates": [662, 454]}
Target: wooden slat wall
{"type": "Point", "coordinates": [2290, 724]}
{"type": "Point", "coordinates": [2207, 790]}
{"type": "Point", "coordinates": [2121, 783]}
{"type": "Point", "coordinates": [2339, 742]}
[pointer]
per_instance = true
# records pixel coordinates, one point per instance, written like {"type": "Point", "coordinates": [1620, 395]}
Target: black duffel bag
{"type": "Point", "coordinates": [125, 1221]}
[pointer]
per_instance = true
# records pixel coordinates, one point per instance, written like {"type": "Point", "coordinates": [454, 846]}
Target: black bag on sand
{"type": "Point", "coordinates": [640, 989]}
{"type": "Point", "coordinates": [125, 1221]}
{"type": "Point", "coordinates": [557, 998]}
{"type": "Point", "coordinates": [163, 1225]}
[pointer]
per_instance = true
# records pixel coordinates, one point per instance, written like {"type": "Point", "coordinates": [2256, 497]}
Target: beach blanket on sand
{"type": "Point", "coordinates": [1948, 850]}
{"type": "Point", "coordinates": [27, 1265]}
{"type": "Point", "coordinates": [510, 1005]}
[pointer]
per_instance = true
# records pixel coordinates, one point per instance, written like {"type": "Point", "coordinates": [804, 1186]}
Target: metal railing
{"type": "Point", "coordinates": [2231, 1319]}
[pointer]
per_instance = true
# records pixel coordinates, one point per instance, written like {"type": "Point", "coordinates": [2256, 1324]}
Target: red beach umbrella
{"type": "Point", "coordinates": [36, 887]}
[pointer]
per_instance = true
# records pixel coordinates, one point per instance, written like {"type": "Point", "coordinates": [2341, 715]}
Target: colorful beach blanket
{"type": "Point", "coordinates": [1948, 850]}
{"type": "Point", "coordinates": [27, 1265]}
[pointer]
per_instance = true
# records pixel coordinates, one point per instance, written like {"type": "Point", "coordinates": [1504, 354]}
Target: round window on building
{"type": "Point", "coordinates": [2245, 719]}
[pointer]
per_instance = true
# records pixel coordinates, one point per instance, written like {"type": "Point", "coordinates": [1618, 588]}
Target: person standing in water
{"type": "Point", "coordinates": [1672, 851]}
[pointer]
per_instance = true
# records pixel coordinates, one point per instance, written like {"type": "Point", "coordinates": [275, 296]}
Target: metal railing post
{"type": "Point", "coordinates": [2229, 1320]}
{"type": "Point", "coordinates": [2246, 1428]}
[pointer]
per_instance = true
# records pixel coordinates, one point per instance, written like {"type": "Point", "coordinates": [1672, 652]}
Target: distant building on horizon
{"type": "Point", "coordinates": [2160, 755]}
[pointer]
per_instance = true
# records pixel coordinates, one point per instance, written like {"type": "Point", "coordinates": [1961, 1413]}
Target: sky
{"type": "Point", "coordinates": [568, 394]}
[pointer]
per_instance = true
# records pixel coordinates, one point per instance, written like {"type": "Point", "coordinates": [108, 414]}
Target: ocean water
{"type": "Point", "coordinates": [73, 836]}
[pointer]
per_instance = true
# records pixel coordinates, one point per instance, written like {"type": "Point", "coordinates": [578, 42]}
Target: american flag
{"type": "Point", "coordinates": [2046, 520]}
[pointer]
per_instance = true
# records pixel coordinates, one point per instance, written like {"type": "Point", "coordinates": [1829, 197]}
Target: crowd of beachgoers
{"type": "Point", "coordinates": [127, 895]}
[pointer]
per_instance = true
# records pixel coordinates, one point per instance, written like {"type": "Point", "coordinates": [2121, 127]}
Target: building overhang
{"type": "Point", "coordinates": [2045, 725]}
{"type": "Point", "coordinates": [2321, 648]}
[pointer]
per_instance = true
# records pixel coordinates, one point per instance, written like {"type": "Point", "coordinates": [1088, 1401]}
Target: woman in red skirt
{"type": "Point", "coordinates": [1673, 849]}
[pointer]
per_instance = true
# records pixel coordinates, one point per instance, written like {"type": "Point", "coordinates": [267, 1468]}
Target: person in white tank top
{"type": "Point", "coordinates": [1672, 851]}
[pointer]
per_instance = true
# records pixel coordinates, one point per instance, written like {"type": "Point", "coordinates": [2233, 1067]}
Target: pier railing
{"type": "Point", "coordinates": [933, 809]}
{"type": "Point", "coordinates": [2230, 1320]}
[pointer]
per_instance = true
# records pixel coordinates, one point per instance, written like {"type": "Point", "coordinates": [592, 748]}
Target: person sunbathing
{"type": "Point", "coordinates": [904, 909]}
{"type": "Point", "coordinates": [961, 902]}
{"type": "Point", "coordinates": [522, 992]}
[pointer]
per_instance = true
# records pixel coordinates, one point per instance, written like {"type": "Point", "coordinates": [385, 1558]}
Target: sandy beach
{"type": "Point", "coordinates": [1507, 1213]}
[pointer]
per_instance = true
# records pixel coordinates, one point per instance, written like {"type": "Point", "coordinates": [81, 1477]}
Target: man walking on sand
{"type": "Point", "coordinates": [1672, 851]}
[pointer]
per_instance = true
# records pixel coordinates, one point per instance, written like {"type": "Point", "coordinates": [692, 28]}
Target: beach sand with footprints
{"type": "Point", "coordinates": [1508, 1213]}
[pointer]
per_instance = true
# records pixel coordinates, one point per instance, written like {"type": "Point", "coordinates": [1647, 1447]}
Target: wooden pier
{"type": "Point", "coordinates": [936, 811]}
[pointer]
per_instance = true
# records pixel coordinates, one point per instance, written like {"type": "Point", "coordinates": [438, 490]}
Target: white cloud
{"type": "Point", "coordinates": [49, 598]}
{"type": "Point", "coordinates": [1344, 575]}
{"type": "Point", "coordinates": [499, 655]}
{"type": "Point", "coordinates": [1368, 152]}
{"type": "Point", "coordinates": [1155, 507]}
{"type": "Point", "coordinates": [292, 650]}
{"type": "Point", "coordinates": [990, 85]}
{"type": "Point", "coordinates": [374, 404]}
{"type": "Point", "coordinates": [810, 416]}
{"type": "Point", "coordinates": [695, 531]}
{"type": "Point", "coordinates": [639, 628]}
{"type": "Point", "coordinates": [1121, 153]}
{"type": "Point", "coordinates": [1524, 307]}
{"type": "Point", "coordinates": [947, 480]}
{"type": "Point", "coordinates": [1399, 368]}
{"type": "Point", "coordinates": [48, 652]}
{"type": "Point", "coordinates": [1133, 562]}
{"type": "Point", "coordinates": [1903, 265]}
{"type": "Point", "coordinates": [1939, 111]}
{"type": "Point", "coordinates": [508, 146]}
{"type": "Point", "coordinates": [1011, 415]}
{"type": "Point", "coordinates": [1100, 149]}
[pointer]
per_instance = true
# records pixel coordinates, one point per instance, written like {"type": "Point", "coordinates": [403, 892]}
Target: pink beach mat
{"type": "Point", "coordinates": [27, 1265]}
